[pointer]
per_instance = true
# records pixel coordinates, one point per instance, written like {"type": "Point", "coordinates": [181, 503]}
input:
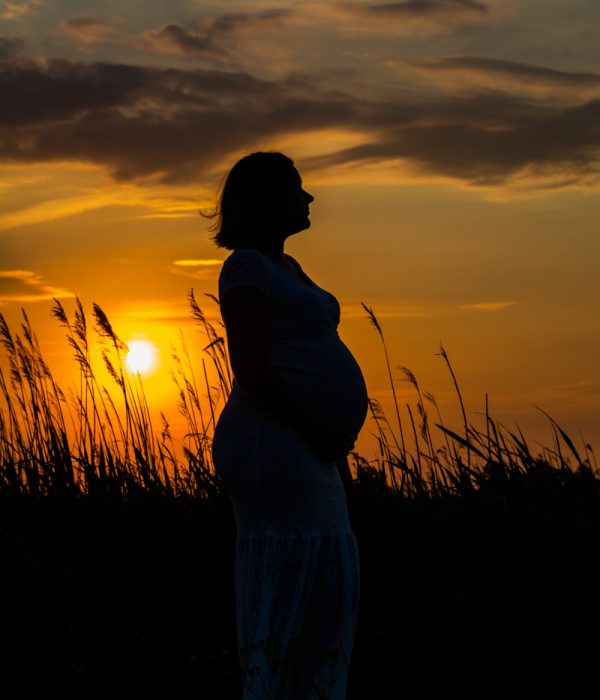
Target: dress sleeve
{"type": "Point", "coordinates": [245, 267]}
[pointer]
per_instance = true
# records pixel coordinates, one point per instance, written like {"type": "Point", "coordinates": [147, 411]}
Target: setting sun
{"type": "Point", "coordinates": [141, 356]}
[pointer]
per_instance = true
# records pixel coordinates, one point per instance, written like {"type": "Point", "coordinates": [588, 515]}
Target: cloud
{"type": "Point", "coordinates": [26, 276]}
{"type": "Point", "coordinates": [59, 90]}
{"type": "Point", "coordinates": [209, 37]}
{"type": "Point", "coordinates": [242, 20]}
{"type": "Point", "coordinates": [56, 208]}
{"type": "Point", "coordinates": [487, 141]}
{"type": "Point", "coordinates": [385, 309]}
{"type": "Point", "coordinates": [16, 10]}
{"type": "Point", "coordinates": [173, 125]}
{"type": "Point", "coordinates": [139, 122]}
{"type": "Point", "coordinates": [174, 38]}
{"type": "Point", "coordinates": [571, 389]}
{"type": "Point", "coordinates": [196, 272]}
{"type": "Point", "coordinates": [489, 305]}
{"type": "Point", "coordinates": [204, 38]}
{"type": "Point", "coordinates": [10, 46]}
{"type": "Point", "coordinates": [511, 73]}
{"type": "Point", "coordinates": [436, 15]}
{"type": "Point", "coordinates": [88, 29]}
{"type": "Point", "coordinates": [26, 286]}
{"type": "Point", "coordinates": [197, 263]}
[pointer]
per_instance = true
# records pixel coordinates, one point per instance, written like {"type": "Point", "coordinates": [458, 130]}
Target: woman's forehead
{"type": "Point", "coordinates": [286, 177]}
{"type": "Point", "coordinates": [295, 175]}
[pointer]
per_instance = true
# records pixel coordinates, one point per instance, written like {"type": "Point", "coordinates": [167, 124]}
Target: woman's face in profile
{"type": "Point", "coordinates": [291, 206]}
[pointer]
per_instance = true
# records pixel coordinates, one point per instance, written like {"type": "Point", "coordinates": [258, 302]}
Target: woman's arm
{"type": "Point", "coordinates": [246, 313]}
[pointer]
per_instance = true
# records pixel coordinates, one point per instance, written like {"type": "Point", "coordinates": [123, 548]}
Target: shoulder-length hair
{"type": "Point", "coordinates": [246, 197]}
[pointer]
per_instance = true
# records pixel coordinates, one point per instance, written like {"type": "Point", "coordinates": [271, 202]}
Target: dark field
{"type": "Point", "coordinates": [491, 595]}
{"type": "Point", "coordinates": [480, 561]}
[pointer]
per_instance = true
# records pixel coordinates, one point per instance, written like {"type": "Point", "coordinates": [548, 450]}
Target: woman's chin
{"type": "Point", "coordinates": [299, 227]}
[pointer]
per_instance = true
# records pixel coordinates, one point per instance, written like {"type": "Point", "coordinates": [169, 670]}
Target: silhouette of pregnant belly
{"type": "Point", "coordinates": [304, 346]}
{"type": "Point", "coordinates": [322, 373]}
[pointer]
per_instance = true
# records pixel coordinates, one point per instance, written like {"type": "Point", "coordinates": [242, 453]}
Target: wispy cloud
{"type": "Point", "coordinates": [211, 37]}
{"type": "Point", "coordinates": [174, 38]}
{"type": "Point", "coordinates": [96, 196]}
{"type": "Point", "coordinates": [26, 286]}
{"type": "Point", "coordinates": [25, 276]}
{"type": "Point", "coordinates": [232, 21]}
{"type": "Point", "coordinates": [54, 209]}
{"type": "Point", "coordinates": [352, 309]}
{"type": "Point", "coordinates": [88, 29]}
{"type": "Point", "coordinates": [580, 394]}
{"type": "Point", "coordinates": [208, 37]}
{"type": "Point", "coordinates": [510, 73]}
{"type": "Point", "coordinates": [198, 263]}
{"type": "Point", "coordinates": [488, 306]}
{"type": "Point", "coordinates": [10, 10]}
{"type": "Point", "coordinates": [573, 389]}
{"type": "Point", "coordinates": [430, 15]}
{"type": "Point", "coordinates": [197, 271]}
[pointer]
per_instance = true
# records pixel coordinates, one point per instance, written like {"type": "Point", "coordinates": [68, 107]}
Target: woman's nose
{"type": "Point", "coordinates": [308, 196]}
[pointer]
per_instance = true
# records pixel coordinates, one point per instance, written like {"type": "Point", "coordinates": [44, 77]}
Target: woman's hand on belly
{"type": "Point", "coordinates": [328, 443]}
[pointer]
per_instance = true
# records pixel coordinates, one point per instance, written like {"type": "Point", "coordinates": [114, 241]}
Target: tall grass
{"type": "Point", "coordinates": [97, 440]}
{"type": "Point", "coordinates": [457, 462]}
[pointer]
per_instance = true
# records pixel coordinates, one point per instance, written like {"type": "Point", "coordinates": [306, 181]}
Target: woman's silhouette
{"type": "Point", "coordinates": [297, 404]}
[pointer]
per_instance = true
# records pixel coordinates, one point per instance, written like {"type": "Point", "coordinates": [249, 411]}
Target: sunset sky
{"type": "Point", "coordinates": [452, 147]}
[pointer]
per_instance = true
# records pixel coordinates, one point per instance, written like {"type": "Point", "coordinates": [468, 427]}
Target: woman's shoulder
{"type": "Point", "coordinates": [247, 254]}
{"type": "Point", "coordinates": [245, 267]}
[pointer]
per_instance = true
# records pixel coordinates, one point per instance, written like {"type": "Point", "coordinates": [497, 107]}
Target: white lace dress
{"type": "Point", "coordinates": [297, 579]}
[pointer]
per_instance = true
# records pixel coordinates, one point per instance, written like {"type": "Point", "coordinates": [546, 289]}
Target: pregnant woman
{"type": "Point", "coordinates": [297, 404]}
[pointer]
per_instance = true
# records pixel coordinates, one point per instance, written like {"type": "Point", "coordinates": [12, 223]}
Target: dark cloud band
{"type": "Point", "coordinates": [490, 68]}
{"type": "Point", "coordinates": [429, 11]}
{"type": "Point", "coordinates": [172, 125]}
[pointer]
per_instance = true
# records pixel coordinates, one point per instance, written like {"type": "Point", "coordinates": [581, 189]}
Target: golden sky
{"type": "Point", "coordinates": [451, 146]}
